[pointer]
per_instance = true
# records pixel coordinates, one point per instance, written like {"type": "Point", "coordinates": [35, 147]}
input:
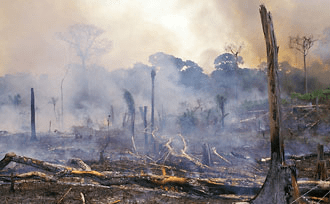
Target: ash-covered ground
{"type": "Point", "coordinates": [236, 158]}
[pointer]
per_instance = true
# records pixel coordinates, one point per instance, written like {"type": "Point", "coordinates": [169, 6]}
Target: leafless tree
{"type": "Point", "coordinates": [235, 50]}
{"type": "Point", "coordinates": [303, 45]}
{"type": "Point", "coordinates": [53, 101]}
{"type": "Point", "coordinates": [86, 41]}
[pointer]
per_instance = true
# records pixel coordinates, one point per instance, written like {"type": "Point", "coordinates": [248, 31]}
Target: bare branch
{"type": "Point", "coordinates": [234, 49]}
{"type": "Point", "coordinates": [86, 41]}
{"type": "Point", "coordinates": [302, 44]}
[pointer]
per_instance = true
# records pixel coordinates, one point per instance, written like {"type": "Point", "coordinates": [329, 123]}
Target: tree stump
{"type": "Point", "coordinates": [321, 170]}
{"type": "Point", "coordinates": [321, 165]}
{"type": "Point", "coordinates": [278, 187]}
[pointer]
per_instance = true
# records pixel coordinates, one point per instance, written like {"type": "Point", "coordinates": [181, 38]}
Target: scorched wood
{"type": "Point", "coordinates": [278, 185]}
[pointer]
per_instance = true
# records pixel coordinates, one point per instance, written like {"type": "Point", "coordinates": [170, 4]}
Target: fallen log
{"type": "Point", "coordinates": [34, 175]}
{"type": "Point", "coordinates": [183, 153]}
{"type": "Point", "coordinates": [218, 155]}
{"type": "Point", "coordinates": [196, 186]}
{"type": "Point", "coordinates": [80, 163]}
{"type": "Point", "coordinates": [55, 168]}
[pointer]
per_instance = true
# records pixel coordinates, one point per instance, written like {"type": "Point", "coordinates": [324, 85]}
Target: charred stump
{"type": "Point", "coordinates": [12, 183]}
{"type": "Point", "coordinates": [278, 186]}
{"type": "Point", "coordinates": [321, 165]}
{"type": "Point", "coordinates": [131, 109]}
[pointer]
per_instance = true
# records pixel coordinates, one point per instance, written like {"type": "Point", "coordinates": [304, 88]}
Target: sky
{"type": "Point", "coordinates": [189, 29]}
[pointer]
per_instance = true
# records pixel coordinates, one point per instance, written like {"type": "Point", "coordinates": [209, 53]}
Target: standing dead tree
{"type": "Point", "coordinates": [105, 141]}
{"type": "Point", "coordinates": [221, 100]}
{"type": "Point", "coordinates": [152, 139]}
{"type": "Point", "coordinates": [131, 110]}
{"type": "Point", "coordinates": [143, 112]}
{"type": "Point", "coordinates": [280, 181]}
{"type": "Point", "coordinates": [53, 101]}
{"type": "Point", "coordinates": [33, 118]}
{"type": "Point", "coordinates": [303, 45]}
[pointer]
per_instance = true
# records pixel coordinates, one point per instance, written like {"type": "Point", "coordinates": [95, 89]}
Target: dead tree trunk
{"type": "Point", "coordinates": [273, 87]}
{"type": "Point", "coordinates": [146, 142]}
{"type": "Point", "coordinates": [153, 74]}
{"type": "Point", "coordinates": [207, 160]}
{"type": "Point", "coordinates": [277, 187]}
{"type": "Point", "coordinates": [33, 118]}
{"type": "Point", "coordinates": [317, 107]}
{"type": "Point", "coordinates": [112, 115]}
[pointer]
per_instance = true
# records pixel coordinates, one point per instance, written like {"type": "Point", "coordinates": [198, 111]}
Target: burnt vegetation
{"type": "Point", "coordinates": [204, 139]}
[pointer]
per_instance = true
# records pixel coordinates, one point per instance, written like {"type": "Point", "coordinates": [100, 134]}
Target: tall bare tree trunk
{"type": "Point", "coordinates": [153, 74]}
{"type": "Point", "coordinates": [62, 112]}
{"type": "Point", "coordinates": [305, 69]}
{"type": "Point", "coordinates": [112, 115]}
{"type": "Point", "coordinates": [273, 86]}
{"type": "Point", "coordinates": [33, 118]}
{"type": "Point", "coordinates": [146, 143]}
{"type": "Point", "coordinates": [278, 184]}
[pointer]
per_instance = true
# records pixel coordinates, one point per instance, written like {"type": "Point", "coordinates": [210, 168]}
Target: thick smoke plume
{"type": "Point", "coordinates": [199, 32]}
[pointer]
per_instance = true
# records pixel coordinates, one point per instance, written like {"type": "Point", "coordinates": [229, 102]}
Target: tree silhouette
{"type": "Point", "coordinates": [86, 41]}
{"type": "Point", "coordinates": [227, 62]}
{"type": "Point", "coordinates": [235, 50]}
{"type": "Point", "coordinates": [303, 45]}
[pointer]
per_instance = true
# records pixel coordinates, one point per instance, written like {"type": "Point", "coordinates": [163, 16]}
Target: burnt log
{"type": "Point", "coordinates": [80, 164]}
{"type": "Point", "coordinates": [195, 186]}
{"type": "Point", "coordinates": [34, 175]}
{"type": "Point", "coordinates": [55, 168]}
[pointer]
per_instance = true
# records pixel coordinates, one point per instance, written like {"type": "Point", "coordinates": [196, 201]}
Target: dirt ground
{"type": "Point", "coordinates": [45, 193]}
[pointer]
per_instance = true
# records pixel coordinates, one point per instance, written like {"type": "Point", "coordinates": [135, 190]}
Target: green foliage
{"type": "Point", "coordinates": [285, 102]}
{"type": "Point", "coordinates": [321, 94]}
{"type": "Point", "coordinates": [254, 105]}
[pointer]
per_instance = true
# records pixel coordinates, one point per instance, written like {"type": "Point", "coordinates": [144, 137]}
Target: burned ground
{"type": "Point", "coordinates": [234, 173]}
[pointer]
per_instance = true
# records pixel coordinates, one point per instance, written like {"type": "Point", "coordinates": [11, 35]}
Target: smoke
{"type": "Point", "coordinates": [194, 30]}
{"type": "Point", "coordinates": [218, 23]}
{"type": "Point", "coordinates": [27, 31]}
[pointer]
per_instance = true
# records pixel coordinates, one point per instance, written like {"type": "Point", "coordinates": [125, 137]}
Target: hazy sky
{"type": "Point", "coordinates": [190, 29]}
